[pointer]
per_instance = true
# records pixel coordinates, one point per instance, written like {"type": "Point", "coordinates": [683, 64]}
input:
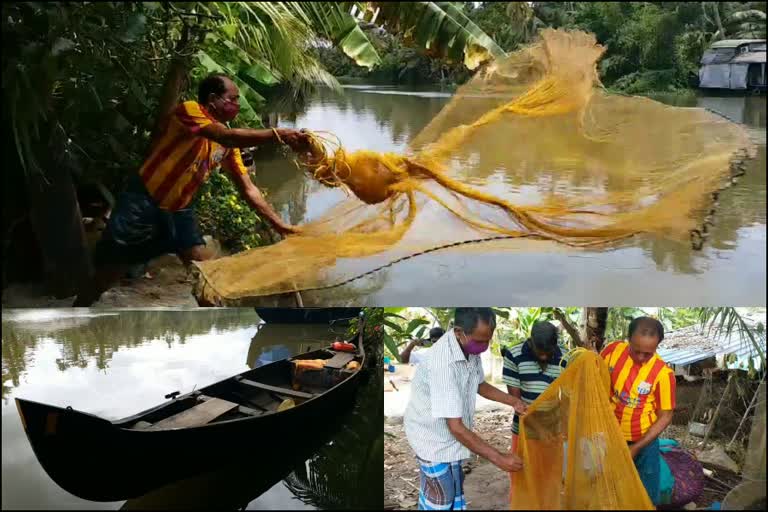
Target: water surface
{"type": "Point", "coordinates": [645, 270]}
{"type": "Point", "coordinates": [117, 363]}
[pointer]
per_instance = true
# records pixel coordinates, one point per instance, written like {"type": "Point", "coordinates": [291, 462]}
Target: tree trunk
{"type": "Point", "coordinates": [568, 326]}
{"type": "Point", "coordinates": [58, 227]}
{"type": "Point", "coordinates": [718, 21]}
{"type": "Point", "coordinates": [173, 86]}
{"type": "Point", "coordinates": [595, 323]}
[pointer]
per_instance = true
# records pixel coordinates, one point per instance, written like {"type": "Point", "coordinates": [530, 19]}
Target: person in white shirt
{"type": "Point", "coordinates": [414, 357]}
{"type": "Point", "coordinates": [440, 414]}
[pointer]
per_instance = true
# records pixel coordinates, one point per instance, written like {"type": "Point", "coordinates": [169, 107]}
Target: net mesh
{"type": "Point", "coordinates": [579, 166]}
{"type": "Point", "coordinates": [599, 472]}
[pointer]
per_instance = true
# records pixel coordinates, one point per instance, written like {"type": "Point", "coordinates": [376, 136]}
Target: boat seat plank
{"type": "Point", "coordinates": [275, 389]}
{"type": "Point", "coordinates": [243, 409]}
{"type": "Point", "coordinates": [339, 360]}
{"type": "Point", "coordinates": [201, 414]}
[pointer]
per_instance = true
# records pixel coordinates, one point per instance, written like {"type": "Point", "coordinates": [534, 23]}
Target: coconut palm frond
{"type": "Point", "coordinates": [728, 321]}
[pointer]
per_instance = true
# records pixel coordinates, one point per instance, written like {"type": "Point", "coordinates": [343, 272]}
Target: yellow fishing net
{"type": "Point", "coordinates": [575, 410]}
{"type": "Point", "coordinates": [531, 147]}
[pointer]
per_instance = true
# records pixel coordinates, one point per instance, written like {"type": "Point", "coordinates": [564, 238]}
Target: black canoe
{"type": "Point", "coordinates": [101, 460]}
{"type": "Point", "coordinates": [307, 315]}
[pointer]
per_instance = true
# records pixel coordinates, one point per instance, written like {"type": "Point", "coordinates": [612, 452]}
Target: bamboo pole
{"type": "Point", "coordinates": [717, 410]}
{"type": "Point", "coordinates": [746, 413]}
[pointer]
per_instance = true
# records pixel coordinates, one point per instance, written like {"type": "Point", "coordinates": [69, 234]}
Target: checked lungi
{"type": "Point", "coordinates": [442, 486]}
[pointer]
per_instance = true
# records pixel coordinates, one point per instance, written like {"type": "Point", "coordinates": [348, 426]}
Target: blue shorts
{"type": "Point", "coordinates": [139, 230]}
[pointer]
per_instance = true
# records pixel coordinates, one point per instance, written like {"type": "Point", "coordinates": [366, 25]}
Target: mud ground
{"type": "Point", "coordinates": [166, 284]}
{"type": "Point", "coordinates": [486, 487]}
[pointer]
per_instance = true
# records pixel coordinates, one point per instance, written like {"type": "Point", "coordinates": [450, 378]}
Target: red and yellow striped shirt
{"type": "Point", "coordinates": [638, 391]}
{"type": "Point", "coordinates": [182, 159]}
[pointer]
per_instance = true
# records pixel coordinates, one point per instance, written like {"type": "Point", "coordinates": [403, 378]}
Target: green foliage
{"type": "Point", "coordinates": [495, 20]}
{"type": "Point", "coordinates": [654, 46]}
{"type": "Point", "coordinates": [400, 64]}
{"type": "Point", "coordinates": [76, 95]}
{"type": "Point", "coordinates": [442, 29]}
{"type": "Point", "coordinates": [420, 42]}
{"type": "Point", "coordinates": [399, 330]}
{"type": "Point", "coordinates": [223, 214]}
{"type": "Point", "coordinates": [728, 321]}
{"type": "Point", "coordinates": [373, 333]}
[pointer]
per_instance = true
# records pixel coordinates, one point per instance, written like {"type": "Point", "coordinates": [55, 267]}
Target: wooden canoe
{"type": "Point", "coordinates": [101, 460]}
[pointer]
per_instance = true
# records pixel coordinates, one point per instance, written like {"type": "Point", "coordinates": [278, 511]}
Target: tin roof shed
{"type": "Point", "coordinates": [695, 343]}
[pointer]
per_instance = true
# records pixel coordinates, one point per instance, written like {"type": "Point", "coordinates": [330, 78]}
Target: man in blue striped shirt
{"type": "Point", "coordinates": [530, 367]}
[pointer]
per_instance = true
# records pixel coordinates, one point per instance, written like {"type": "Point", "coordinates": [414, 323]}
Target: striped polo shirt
{"type": "Point", "coordinates": [638, 391]}
{"type": "Point", "coordinates": [522, 371]}
{"type": "Point", "coordinates": [182, 160]}
{"type": "Point", "coordinates": [444, 386]}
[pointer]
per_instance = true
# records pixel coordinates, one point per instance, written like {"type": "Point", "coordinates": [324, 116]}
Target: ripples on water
{"type": "Point", "coordinates": [386, 118]}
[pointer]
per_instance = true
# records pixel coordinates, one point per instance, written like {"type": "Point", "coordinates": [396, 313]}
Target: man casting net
{"type": "Point", "coordinates": [616, 166]}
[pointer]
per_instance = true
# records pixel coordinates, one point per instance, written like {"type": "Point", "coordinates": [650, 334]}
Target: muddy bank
{"type": "Point", "coordinates": [166, 284]}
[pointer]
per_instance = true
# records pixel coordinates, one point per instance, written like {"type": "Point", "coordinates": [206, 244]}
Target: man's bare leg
{"type": "Point", "coordinates": [195, 253]}
{"type": "Point", "coordinates": [103, 279]}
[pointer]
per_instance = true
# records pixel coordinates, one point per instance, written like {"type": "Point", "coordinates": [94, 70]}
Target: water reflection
{"type": "Point", "coordinates": [387, 118]}
{"type": "Point", "coordinates": [273, 342]}
{"type": "Point", "coordinates": [118, 363]}
{"type": "Point", "coordinates": [86, 338]}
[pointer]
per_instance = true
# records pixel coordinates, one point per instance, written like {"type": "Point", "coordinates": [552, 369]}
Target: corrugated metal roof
{"type": "Point", "coordinates": [749, 58]}
{"type": "Point", "coordinates": [733, 43]}
{"type": "Point", "coordinates": [691, 344]}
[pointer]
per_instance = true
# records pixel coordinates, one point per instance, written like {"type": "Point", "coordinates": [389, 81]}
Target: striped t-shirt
{"type": "Point", "coordinates": [638, 391]}
{"type": "Point", "coordinates": [181, 160]}
{"type": "Point", "coordinates": [522, 371]}
{"type": "Point", "coordinates": [444, 386]}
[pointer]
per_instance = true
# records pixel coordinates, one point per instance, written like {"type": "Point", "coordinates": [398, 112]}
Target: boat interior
{"type": "Point", "coordinates": [268, 389]}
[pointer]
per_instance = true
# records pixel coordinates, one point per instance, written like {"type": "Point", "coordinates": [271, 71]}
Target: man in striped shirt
{"type": "Point", "coordinates": [643, 395]}
{"type": "Point", "coordinates": [440, 413]}
{"type": "Point", "coordinates": [154, 215]}
{"type": "Point", "coordinates": [529, 369]}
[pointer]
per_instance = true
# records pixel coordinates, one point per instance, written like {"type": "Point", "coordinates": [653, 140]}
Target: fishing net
{"type": "Point", "coordinates": [530, 147]}
{"type": "Point", "coordinates": [575, 410]}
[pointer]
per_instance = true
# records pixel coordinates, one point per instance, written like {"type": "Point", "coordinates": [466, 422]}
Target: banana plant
{"type": "Point", "coordinates": [442, 29]}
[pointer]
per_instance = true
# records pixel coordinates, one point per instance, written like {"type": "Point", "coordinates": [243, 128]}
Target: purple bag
{"type": "Point", "coordinates": [688, 474]}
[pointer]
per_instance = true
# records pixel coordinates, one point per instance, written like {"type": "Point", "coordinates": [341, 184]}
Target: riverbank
{"type": "Point", "coordinates": [166, 283]}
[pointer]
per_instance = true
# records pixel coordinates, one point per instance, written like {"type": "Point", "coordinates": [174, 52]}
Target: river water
{"type": "Point", "coordinates": [644, 270]}
{"type": "Point", "coordinates": [116, 363]}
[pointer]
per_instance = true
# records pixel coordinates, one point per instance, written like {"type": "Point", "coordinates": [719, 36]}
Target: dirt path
{"type": "Point", "coordinates": [486, 487]}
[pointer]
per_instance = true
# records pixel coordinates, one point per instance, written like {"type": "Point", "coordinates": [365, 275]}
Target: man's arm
{"type": "Point", "coordinates": [505, 461]}
{"type": "Point", "coordinates": [491, 393]}
{"type": "Point", "coordinates": [664, 419]}
{"type": "Point", "coordinates": [246, 137]}
{"type": "Point", "coordinates": [405, 356]}
{"type": "Point", "coordinates": [256, 200]}
{"type": "Point", "coordinates": [664, 394]}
